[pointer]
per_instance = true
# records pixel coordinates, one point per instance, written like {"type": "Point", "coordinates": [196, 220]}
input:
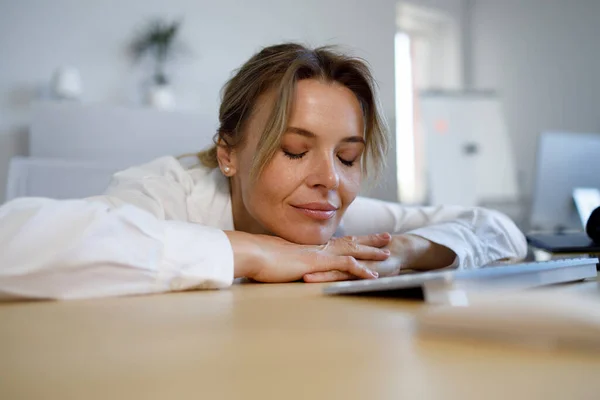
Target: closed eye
{"type": "Point", "coordinates": [294, 156]}
{"type": "Point", "coordinates": [346, 162]}
{"type": "Point", "coordinates": [298, 156]}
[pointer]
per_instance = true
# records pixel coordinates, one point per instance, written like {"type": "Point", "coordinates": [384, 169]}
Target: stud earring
{"type": "Point", "coordinates": [226, 170]}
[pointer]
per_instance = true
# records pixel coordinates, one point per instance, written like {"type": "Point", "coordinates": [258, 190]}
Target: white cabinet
{"type": "Point", "coordinates": [70, 130]}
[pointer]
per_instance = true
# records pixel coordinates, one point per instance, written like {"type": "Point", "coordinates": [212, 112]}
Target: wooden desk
{"type": "Point", "coordinates": [266, 341]}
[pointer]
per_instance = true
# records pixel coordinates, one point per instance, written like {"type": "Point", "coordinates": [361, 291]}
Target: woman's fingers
{"type": "Point", "coordinates": [374, 240]}
{"type": "Point", "coordinates": [355, 246]}
{"type": "Point", "coordinates": [390, 267]}
{"type": "Point", "coordinates": [329, 276]}
{"type": "Point", "coordinates": [347, 264]}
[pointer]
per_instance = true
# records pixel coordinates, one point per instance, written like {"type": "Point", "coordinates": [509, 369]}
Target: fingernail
{"type": "Point", "coordinates": [386, 251]}
{"type": "Point", "coordinates": [375, 274]}
{"type": "Point", "coordinates": [384, 235]}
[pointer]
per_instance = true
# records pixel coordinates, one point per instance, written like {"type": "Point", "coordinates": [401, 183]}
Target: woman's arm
{"type": "Point", "coordinates": [135, 239]}
{"type": "Point", "coordinates": [79, 249]}
{"type": "Point", "coordinates": [424, 235]}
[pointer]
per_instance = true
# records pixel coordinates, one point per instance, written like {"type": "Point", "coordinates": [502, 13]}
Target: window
{"type": "Point", "coordinates": [427, 57]}
{"type": "Point", "coordinates": [405, 132]}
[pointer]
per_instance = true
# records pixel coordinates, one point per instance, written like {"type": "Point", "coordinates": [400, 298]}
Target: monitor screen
{"type": "Point", "coordinates": [565, 161]}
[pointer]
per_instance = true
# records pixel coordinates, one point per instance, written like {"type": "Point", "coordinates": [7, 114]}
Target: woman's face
{"type": "Point", "coordinates": [305, 189]}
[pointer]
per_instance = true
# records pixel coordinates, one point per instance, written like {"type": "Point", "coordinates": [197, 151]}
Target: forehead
{"type": "Point", "coordinates": [326, 108]}
{"type": "Point", "coordinates": [329, 110]}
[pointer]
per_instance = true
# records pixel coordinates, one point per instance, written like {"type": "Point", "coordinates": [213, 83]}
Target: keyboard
{"type": "Point", "coordinates": [446, 286]}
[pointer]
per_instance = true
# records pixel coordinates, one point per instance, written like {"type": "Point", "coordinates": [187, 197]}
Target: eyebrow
{"type": "Point", "coordinates": [309, 134]}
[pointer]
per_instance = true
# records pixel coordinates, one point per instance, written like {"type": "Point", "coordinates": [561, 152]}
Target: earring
{"type": "Point", "coordinates": [226, 170]}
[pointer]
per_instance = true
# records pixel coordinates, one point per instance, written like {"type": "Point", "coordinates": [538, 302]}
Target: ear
{"type": "Point", "coordinates": [227, 158]}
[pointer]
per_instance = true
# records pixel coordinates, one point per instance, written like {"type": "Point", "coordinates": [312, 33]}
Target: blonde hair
{"type": "Point", "coordinates": [278, 68]}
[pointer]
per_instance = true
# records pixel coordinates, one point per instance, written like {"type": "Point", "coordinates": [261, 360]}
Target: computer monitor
{"type": "Point", "coordinates": [564, 161]}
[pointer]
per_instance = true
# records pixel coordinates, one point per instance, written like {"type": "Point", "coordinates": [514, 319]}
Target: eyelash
{"type": "Point", "coordinates": [293, 156]}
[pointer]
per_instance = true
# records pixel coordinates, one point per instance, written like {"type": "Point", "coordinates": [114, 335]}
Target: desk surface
{"type": "Point", "coordinates": [266, 341]}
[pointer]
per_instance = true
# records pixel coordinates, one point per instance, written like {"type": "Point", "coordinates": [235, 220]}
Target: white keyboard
{"type": "Point", "coordinates": [447, 286]}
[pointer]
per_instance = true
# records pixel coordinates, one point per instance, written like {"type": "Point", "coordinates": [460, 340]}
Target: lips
{"type": "Point", "coordinates": [316, 210]}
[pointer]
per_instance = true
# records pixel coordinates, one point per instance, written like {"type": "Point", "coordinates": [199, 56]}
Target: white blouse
{"type": "Point", "coordinates": [159, 228]}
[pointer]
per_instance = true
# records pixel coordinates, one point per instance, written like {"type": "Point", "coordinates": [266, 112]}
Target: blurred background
{"type": "Point", "coordinates": [492, 103]}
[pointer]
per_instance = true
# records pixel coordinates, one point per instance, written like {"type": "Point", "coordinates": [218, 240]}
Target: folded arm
{"type": "Point", "coordinates": [475, 236]}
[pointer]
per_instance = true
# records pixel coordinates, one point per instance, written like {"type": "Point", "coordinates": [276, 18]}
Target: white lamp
{"type": "Point", "coordinates": [66, 83]}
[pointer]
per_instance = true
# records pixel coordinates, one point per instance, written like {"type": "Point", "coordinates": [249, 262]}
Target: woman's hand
{"type": "Point", "coordinates": [407, 252]}
{"type": "Point", "coordinates": [272, 259]}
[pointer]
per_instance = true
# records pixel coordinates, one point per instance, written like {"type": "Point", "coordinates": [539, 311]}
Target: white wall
{"type": "Point", "coordinates": [544, 59]}
{"type": "Point", "coordinates": [37, 36]}
{"type": "Point", "coordinates": [454, 8]}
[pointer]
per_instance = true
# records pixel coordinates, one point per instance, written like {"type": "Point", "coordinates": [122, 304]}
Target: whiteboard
{"type": "Point", "coordinates": [468, 154]}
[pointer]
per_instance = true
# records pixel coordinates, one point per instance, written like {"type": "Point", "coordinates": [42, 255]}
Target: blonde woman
{"type": "Point", "coordinates": [300, 129]}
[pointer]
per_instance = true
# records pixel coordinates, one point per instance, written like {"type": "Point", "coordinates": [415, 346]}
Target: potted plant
{"type": "Point", "coordinates": [157, 41]}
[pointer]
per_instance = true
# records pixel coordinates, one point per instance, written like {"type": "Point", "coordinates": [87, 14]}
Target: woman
{"type": "Point", "coordinates": [299, 131]}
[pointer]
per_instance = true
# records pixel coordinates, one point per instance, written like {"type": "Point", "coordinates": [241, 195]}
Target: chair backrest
{"type": "Point", "coordinates": [58, 179]}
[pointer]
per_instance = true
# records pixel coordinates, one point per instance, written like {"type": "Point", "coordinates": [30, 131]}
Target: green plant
{"type": "Point", "coordinates": [158, 39]}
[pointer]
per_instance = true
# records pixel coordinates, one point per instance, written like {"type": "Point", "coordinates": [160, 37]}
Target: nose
{"type": "Point", "coordinates": [324, 173]}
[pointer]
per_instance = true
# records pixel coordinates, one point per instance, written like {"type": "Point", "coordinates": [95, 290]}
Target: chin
{"type": "Point", "coordinates": [309, 236]}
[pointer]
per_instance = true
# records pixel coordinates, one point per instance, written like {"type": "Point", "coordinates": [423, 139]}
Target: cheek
{"type": "Point", "coordinates": [274, 185]}
{"type": "Point", "coordinates": [350, 186]}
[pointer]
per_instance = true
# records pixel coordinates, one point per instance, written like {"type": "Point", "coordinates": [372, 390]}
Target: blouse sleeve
{"type": "Point", "coordinates": [478, 236]}
{"type": "Point", "coordinates": [135, 239]}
